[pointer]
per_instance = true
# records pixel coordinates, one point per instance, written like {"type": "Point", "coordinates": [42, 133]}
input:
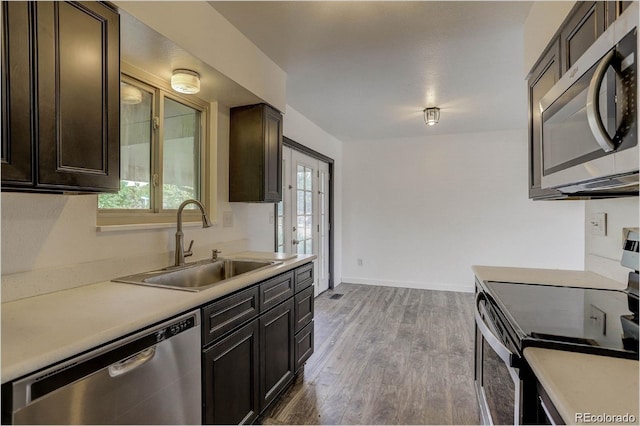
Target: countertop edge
{"type": "Point", "coordinates": [566, 376]}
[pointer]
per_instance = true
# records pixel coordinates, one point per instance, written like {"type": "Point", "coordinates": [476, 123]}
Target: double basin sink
{"type": "Point", "coordinates": [198, 275]}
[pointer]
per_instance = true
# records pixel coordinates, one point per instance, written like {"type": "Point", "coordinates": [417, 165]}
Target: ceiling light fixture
{"type": "Point", "coordinates": [431, 116]}
{"type": "Point", "coordinates": [185, 81]}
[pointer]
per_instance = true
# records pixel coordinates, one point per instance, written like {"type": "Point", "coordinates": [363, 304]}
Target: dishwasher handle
{"type": "Point", "coordinates": [131, 363]}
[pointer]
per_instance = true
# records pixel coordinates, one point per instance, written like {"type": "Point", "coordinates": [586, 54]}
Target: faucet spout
{"type": "Point", "coordinates": [206, 223]}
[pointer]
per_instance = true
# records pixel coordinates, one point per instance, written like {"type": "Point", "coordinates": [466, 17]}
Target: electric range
{"type": "Point", "coordinates": [511, 316]}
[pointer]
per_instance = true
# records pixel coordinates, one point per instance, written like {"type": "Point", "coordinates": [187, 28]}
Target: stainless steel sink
{"type": "Point", "coordinates": [197, 276]}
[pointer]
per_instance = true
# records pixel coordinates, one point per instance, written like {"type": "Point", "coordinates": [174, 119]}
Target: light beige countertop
{"type": "Point", "coordinates": [563, 277]}
{"type": "Point", "coordinates": [576, 382]}
{"type": "Point", "coordinates": [584, 383]}
{"type": "Point", "coordinates": [43, 330]}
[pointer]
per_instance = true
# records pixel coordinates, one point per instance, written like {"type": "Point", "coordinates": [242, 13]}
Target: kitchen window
{"type": "Point", "coordinates": [162, 155]}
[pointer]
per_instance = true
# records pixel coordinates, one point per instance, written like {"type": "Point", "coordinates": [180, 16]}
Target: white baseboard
{"type": "Point", "coordinates": [461, 288]}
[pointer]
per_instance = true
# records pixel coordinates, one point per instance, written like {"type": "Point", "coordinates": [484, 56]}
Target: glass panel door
{"type": "Point", "coordinates": [303, 237]}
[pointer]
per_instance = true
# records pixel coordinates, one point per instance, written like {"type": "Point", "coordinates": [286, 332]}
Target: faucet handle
{"type": "Point", "coordinates": [214, 254]}
{"type": "Point", "coordinates": [188, 251]}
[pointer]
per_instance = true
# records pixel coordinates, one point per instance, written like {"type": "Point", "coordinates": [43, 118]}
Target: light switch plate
{"type": "Point", "coordinates": [598, 224]}
{"type": "Point", "coordinates": [227, 219]}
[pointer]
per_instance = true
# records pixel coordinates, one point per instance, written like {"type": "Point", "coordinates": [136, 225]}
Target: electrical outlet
{"type": "Point", "coordinates": [360, 262]}
{"type": "Point", "coordinates": [598, 224]}
{"type": "Point", "coordinates": [271, 217]}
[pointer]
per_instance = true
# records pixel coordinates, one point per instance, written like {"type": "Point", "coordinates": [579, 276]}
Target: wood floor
{"type": "Point", "coordinates": [386, 356]}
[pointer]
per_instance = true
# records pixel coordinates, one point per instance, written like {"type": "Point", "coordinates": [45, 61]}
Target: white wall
{"type": "Point", "coordinates": [420, 212]}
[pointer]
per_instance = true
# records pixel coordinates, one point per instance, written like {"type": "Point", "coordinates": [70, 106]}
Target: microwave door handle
{"type": "Point", "coordinates": [593, 104]}
{"type": "Point", "coordinates": [496, 344]}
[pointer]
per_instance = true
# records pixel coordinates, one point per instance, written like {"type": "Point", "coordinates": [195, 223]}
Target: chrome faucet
{"type": "Point", "coordinates": [206, 223]}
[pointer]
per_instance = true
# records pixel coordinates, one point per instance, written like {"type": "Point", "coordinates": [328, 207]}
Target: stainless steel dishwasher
{"type": "Point", "coordinates": [150, 377]}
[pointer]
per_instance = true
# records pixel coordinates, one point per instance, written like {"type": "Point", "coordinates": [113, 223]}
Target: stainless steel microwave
{"type": "Point", "coordinates": [589, 117]}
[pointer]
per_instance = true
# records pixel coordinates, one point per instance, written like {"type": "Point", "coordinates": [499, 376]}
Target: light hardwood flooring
{"type": "Point", "coordinates": [386, 355]}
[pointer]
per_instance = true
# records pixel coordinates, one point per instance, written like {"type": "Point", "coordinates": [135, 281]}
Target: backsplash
{"type": "Point", "coordinates": [51, 243]}
{"type": "Point", "coordinates": [602, 253]}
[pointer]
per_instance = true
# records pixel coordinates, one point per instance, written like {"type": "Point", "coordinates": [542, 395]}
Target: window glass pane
{"type": "Point", "coordinates": [280, 233]}
{"type": "Point", "coordinates": [135, 151]}
{"type": "Point", "coordinates": [181, 154]}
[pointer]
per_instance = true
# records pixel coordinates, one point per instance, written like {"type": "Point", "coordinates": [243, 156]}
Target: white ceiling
{"type": "Point", "coordinates": [366, 70]}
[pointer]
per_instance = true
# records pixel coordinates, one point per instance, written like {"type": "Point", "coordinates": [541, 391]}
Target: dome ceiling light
{"type": "Point", "coordinates": [185, 81]}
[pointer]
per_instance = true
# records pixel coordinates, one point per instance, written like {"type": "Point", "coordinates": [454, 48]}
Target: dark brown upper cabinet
{"type": "Point", "coordinates": [70, 55]}
{"type": "Point", "coordinates": [586, 23]}
{"type": "Point", "coordinates": [255, 154]}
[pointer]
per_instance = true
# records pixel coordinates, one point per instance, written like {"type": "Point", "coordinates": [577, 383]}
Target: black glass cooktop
{"type": "Point", "coordinates": [591, 319]}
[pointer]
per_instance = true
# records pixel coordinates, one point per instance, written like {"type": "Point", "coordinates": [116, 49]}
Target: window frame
{"type": "Point", "coordinates": [160, 90]}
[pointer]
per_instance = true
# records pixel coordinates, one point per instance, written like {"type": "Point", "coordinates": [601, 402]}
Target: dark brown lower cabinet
{"type": "Point", "coordinates": [276, 351]}
{"type": "Point", "coordinates": [231, 378]}
{"type": "Point", "coordinates": [254, 342]}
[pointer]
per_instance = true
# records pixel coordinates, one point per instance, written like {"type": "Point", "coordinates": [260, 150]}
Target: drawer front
{"type": "Point", "coordinates": [223, 316]}
{"type": "Point", "coordinates": [304, 277]}
{"type": "Point", "coordinates": [303, 308]}
{"type": "Point", "coordinates": [303, 346]}
{"type": "Point", "coordinates": [276, 290]}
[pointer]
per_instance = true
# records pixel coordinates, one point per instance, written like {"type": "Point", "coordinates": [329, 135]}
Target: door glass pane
{"type": "Point", "coordinates": [181, 154]}
{"type": "Point", "coordinates": [300, 177]}
{"type": "Point", "coordinates": [307, 180]}
{"type": "Point", "coordinates": [300, 207]}
{"type": "Point", "coordinates": [135, 151]}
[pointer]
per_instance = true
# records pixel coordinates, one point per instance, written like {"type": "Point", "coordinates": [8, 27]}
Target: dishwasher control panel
{"type": "Point", "coordinates": [175, 328]}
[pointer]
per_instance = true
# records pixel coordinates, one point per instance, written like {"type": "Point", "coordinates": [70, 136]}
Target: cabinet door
{"type": "Point", "coordinates": [78, 77]}
{"type": "Point", "coordinates": [17, 141]}
{"type": "Point", "coordinates": [587, 23]}
{"type": "Point", "coordinates": [304, 342]}
{"type": "Point", "coordinates": [545, 74]}
{"type": "Point", "coordinates": [304, 308]}
{"type": "Point", "coordinates": [273, 155]}
{"type": "Point", "coordinates": [276, 351]}
{"type": "Point", "coordinates": [255, 154]}
{"type": "Point", "coordinates": [231, 378]}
